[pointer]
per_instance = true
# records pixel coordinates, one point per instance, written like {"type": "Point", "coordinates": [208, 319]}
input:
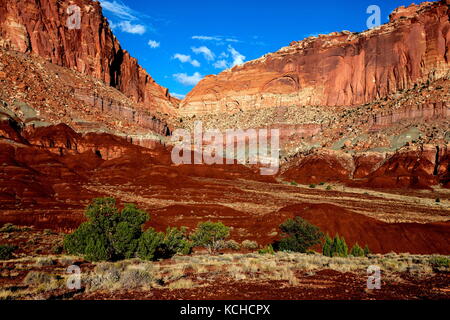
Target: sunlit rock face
{"type": "Point", "coordinates": [41, 28]}
{"type": "Point", "coordinates": [339, 69]}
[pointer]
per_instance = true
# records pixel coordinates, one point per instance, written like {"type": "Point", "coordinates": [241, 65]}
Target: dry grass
{"type": "Point", "coordinates": [191, 271]}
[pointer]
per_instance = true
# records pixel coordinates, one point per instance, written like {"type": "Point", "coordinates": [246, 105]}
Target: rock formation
{"type": "Point", "coordinates": [339, 69]}
{"type": "Point", "coordinates": [40, 27]}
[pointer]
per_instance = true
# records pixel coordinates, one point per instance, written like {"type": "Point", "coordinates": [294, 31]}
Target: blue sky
{"type": "Point", "coordinates": [179, 42]}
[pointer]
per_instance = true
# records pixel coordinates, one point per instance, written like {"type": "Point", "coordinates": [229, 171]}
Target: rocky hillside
{"type": "Point", "coordinates": [339, 69]}
{"type": "Point", "coordinates": [40, 27]}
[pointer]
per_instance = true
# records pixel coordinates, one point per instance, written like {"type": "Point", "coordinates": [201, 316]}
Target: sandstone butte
{"type": "Point", "coordinates": [40, 28]}
{"type": "Point", "coordinates": [339, 69]}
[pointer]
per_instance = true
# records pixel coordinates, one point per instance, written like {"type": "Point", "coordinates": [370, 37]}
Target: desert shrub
{"type": "Point", "coordinates": [38, 278]}
{"type": "Point", "coordinates": [149, 244]}
{"type": "Point", "coordinates": [108, 234]}
{"type": "Point", "coordinates": [339, 247]}
{"type": "Point", "coordinates": [440, 262]}
{"type": "Point", "coordinates": [299, 235]}
{"type": "Point", "coordinates": [249, 245]}
{"type": "Point", "coordinates": [329, 188]}
{"type": "Point", "coordinates": [326, 249]}
{"type": "Point", "coordinates": [211, 235]}
{"type": "Point", "coordinates": [158, 245]}
{"type": "Point", "coordinates": [321, 183]}
{"type": "Point", "coordinates": [9, 227]}
{"type": "Point", "coordinates": [176, 242]}
{"type": "Point", "coordinates": [233, 245]}
{"type": "Point", "coordinates": [312, 186]}
{"type": "Point", "coordinates": [357, 251]}
{"type": "Point", "coordinates": [293, 183]}
{"type": "Point", "coordinates": [366, 250]}
{"type": "Point", "coordinates": [267, 250]}
{"type": "Point", "coordinates": [44, 262]}
{"type": "Point", "coordinates": [6, 251]}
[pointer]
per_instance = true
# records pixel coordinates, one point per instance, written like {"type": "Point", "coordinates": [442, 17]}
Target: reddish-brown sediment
{"type": "Point", "coordinates": [48, 175]}
{"type": "Point", "coordinates": [379, 236]}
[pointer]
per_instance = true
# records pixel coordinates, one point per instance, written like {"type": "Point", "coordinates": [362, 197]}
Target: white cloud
{"type": "Point", "coordinates": [215, 38]}
{"type": "Point", "coordinates": [187, 80]}
{"type": "Point", "coordinates": [154, 44]}
{"type": "Point", "coordinates": [221, 64]}
{"type": "Point", "coordinates": [119, 9]}
{"type": "Point", "coordinates": [205, 51]}
{"type": "Point", "coordinates": [186, 58]}
{"type": "Point", "coordinates": [238, 58]}
{"type": "Point", "coordinates": [129, 20]}
{"type": "Point", "coordinates": [178, 95]}
{"type": "Point", "coordinates": [207, 38]}
{"type": "Point", "coordinates": [128, 27]}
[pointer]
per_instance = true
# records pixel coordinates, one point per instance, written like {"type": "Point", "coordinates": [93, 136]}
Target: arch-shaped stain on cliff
{"type": "Point", "coordinates": [287, 83]}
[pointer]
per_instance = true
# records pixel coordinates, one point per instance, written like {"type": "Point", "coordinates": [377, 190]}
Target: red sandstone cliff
{"type": "Point", "coordinates": [40, 27]}
{"type": "Point", "coordinates": [336, 69]}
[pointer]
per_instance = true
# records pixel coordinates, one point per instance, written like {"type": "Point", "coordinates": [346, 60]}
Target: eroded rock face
{"type": "Point", "coordinates": [336, 69]}
{"type": "Point", "coordinates": [40, 27]}
{"type": "Point", "coordinates": [410, 167]}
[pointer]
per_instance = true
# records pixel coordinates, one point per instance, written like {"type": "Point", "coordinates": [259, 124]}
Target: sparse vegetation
{"type": "Point", "coordinates": [6, 251]}
{"type": "Point", "coordinates": [299, 235]}
{"type": "Point", "coordinates": [267, 250]}
{"type": "Point", "coordinates": [337, 247]}
{"type": "Point", "coordinates": [233, 245]}
{"type": "Point", "coordinates": [440, 262]}
{"type": "Point", "coordinates": [357, 251]}
{"type": "Point", "coordinates": [110, 235]}
{"type": "Point", "coordinates": [211, 235]}
{"type": "Point", "coordinates": [249, 245]}
{"type": "Point", "coordinates": [312, 186]}
{"type": "Point", "coordinates": [9, 227]}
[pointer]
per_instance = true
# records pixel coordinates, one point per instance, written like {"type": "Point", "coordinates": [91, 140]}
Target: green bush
{"type": "Point", "coordinates": [158, 245]}
{"type": "Point", "coordinates": [339, 247]}
{"type": "Point", "coordinates": [267, 250]}
{"type": "Point", "coordinates": [150, 244]}
{"type": "Point", "coordinates": [357, 251]}
{"type": "Point", "coordinates": [211, 235]}
{"type": "Point", "coordinates": [293, 183]}
{"type": "Point", "coordinates": [6, 251]}
{"type": "Point", "coordinates": [312, 186]}
{"type": "Point", "coordinates": [175, 241]}
{"type": "Point", "coordinates": [366, 250]}
{"type": "Point", "coordinates": [299, 235]}
{"type": "Point", "coordinates": [326, 249]}
{"type": "Point", "coordinates": [440, 262]}
{"type": "Point", "coordinates": [329, 188]}
{"type": "Point", "coordinates": [108, 234]}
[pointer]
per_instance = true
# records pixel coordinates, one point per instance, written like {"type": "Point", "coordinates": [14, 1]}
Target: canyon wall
{"type": "Point", "coordinates": [40, 27]}
{"type": "Point", "coordinates": [339, 69]}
